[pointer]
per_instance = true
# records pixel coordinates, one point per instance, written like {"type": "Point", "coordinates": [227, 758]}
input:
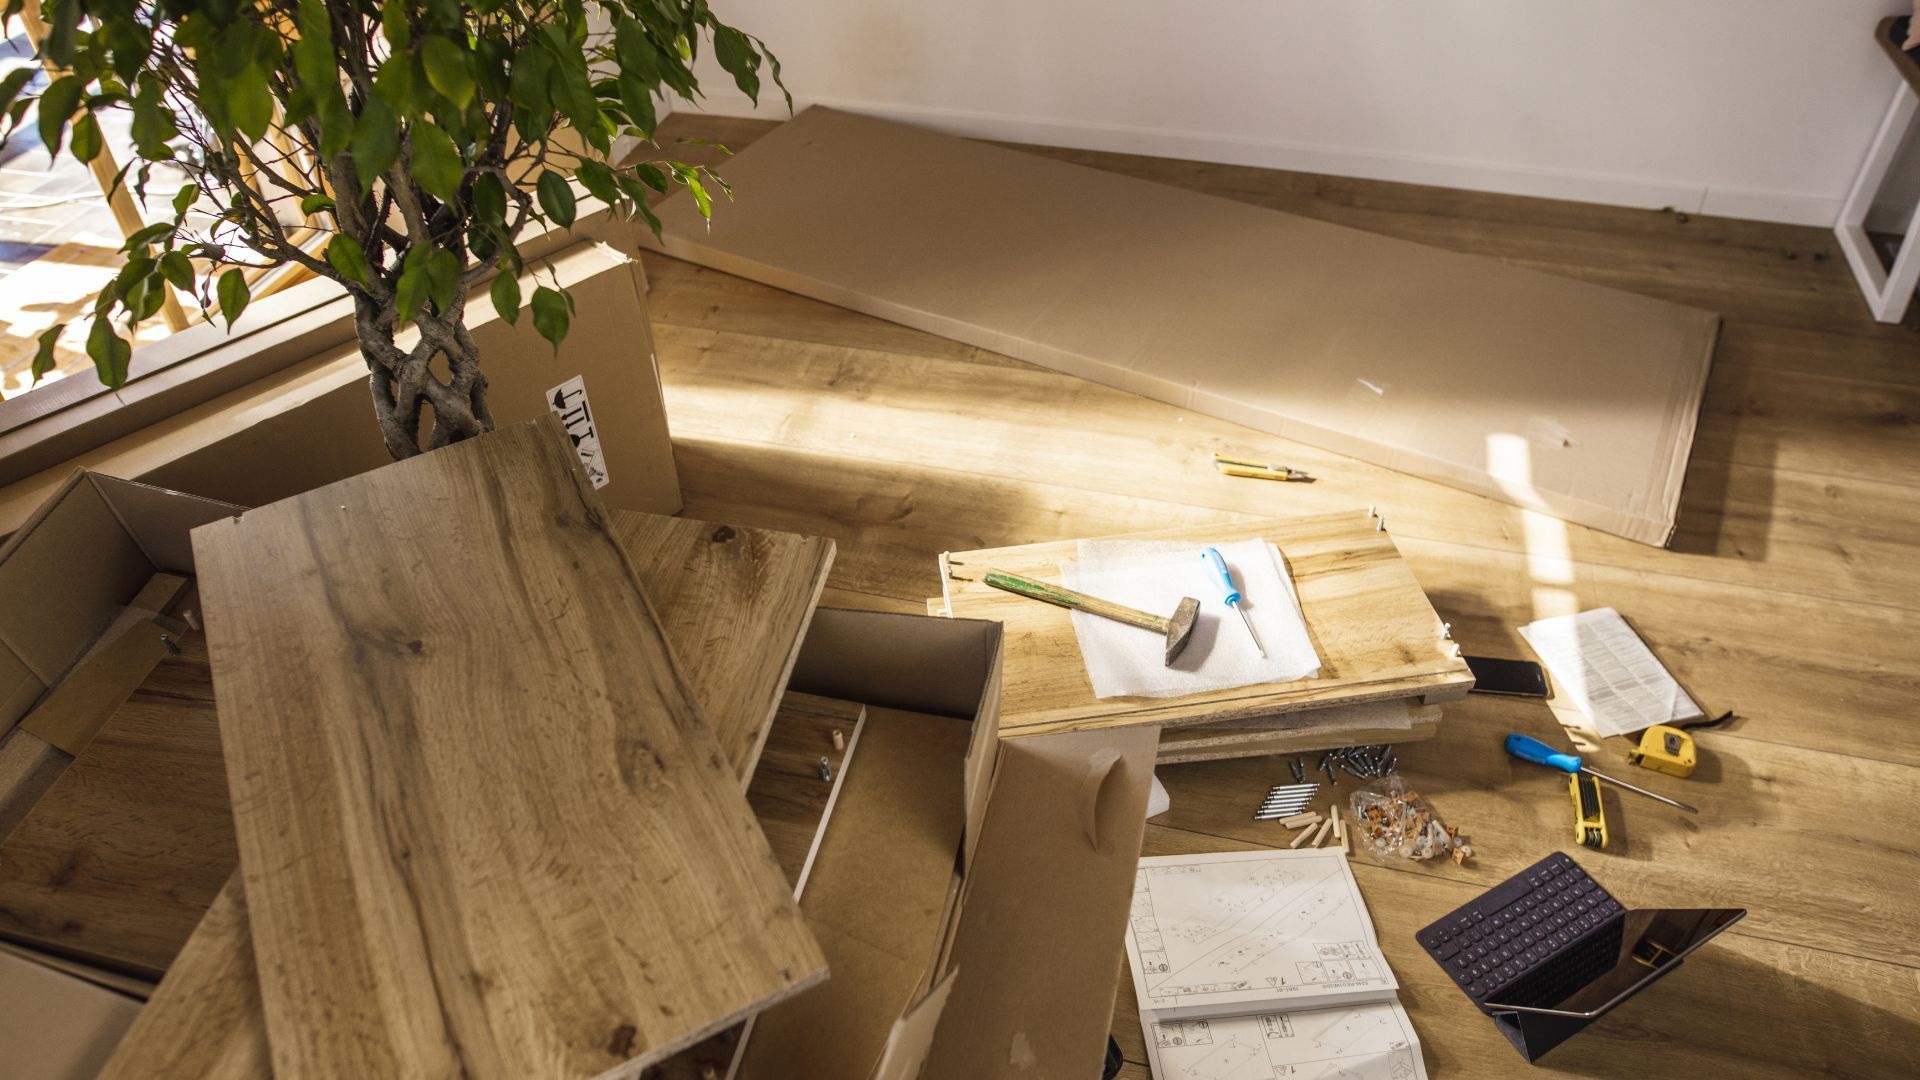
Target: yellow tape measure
{"type": "Point", "coordinates": [1665, 749]}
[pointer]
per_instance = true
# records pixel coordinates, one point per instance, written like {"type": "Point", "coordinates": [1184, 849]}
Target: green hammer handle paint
{"type": "Point", "coordinates": [1067, 598]}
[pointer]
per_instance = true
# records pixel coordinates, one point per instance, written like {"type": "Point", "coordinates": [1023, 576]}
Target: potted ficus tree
{"type": "Point", "coordinates": [397, 148]}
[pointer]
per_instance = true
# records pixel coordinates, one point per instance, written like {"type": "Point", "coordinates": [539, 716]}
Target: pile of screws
{"type": "Point", "coordinates": [1396, 821]}
{"type": "Point", "coordinates": [1363, 762]}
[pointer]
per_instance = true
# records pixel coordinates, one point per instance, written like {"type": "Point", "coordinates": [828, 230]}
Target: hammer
{"type": "Point", "coordinates": [1177, 629]}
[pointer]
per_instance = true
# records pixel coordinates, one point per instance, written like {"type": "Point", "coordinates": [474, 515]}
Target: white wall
{"type": "Point", "coordinates": [1749, 108]}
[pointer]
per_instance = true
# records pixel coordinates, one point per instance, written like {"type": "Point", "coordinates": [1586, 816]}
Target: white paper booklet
{"type": "Point", "coordinates": [1152, 575]}
{"type": "Point", "coordinates": [1364, 1042]}
{"type": "Point", "coordinates": [1609, 672]}
{"type": "Point", "coordinates": [1241, 931]}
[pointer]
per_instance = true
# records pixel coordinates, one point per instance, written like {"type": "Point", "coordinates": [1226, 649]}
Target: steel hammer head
{"type": "Point", "coordinates": [1180, 627]}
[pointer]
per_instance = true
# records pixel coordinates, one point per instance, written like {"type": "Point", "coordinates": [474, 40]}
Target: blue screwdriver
{"type": "Point", "coordinates": [1212, 555]}
{"type": "Point", "coordinates": [1540, 753]}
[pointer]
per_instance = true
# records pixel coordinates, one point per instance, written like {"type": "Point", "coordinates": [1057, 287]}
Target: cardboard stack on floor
{"type": "Point", "coordinates": [1385, 658]}
{"type": "Point", "coordinates": [905, 839]}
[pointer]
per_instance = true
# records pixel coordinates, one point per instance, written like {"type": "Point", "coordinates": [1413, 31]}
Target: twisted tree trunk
{"type": "Point", "coordinates": [405, 385]}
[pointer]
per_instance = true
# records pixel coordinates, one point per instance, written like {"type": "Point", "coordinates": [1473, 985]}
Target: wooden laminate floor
{"type": "Point", "coordinates": [1789, 595]}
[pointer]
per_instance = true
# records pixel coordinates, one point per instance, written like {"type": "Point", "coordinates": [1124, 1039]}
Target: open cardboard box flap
{"type": "Point", "coordinates": [74, 566]}
{"type": "Point", "coordinates": [1054, 825]}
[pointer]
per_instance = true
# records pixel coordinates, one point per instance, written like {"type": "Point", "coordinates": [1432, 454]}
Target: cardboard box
{"type": "Point", "coordinates": [311, 422]}
{"type": "Point", "coordinates": [71, 571]}
{"type": "Point", "coordinates": [54, 1026]}
{"type": "Point", "coordinates": [1538, 390]}
{"type": "Point", "coordinates": [1023, 968]}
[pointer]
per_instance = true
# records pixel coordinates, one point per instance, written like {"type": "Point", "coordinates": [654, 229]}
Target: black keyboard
{"type": "Point", "coordinates": [1533, 939]}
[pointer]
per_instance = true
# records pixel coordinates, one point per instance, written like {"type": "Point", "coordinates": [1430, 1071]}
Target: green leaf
{"type": "Point", "coordinates": [57, 104]}
{"type": "Point", "coordinates": [233, 295]}
{"type": "Point", "coordinates": [489, 200]}
{"type": "Point", "coordinates": [393, 23]}
{"type": "Point", "coordinates": [376, 141]}
{"type": "Point", "coordinates": [637, 97]}
{"type": "Point", "coordinates": [63, 25]}
{"type": "Point", "coordinates": [550, 316]}
{"type": "Point", "coordinates": [531, 91]}
{"type": "Point", "coordinates": [153, 124]}
{"type": "Point", "coordinates": [314, 203]}
{"type": "Point", "coordinates": [738, 58]}
{"type": "Point", "coordinates": [344, 255]}
{"type": "Point", "coordinates": [448, 70]}
{"type": "Point", "coordinates": [598, 180]}
{"type": "Point", "coordinates": [148, 235]}
{"type": "Point", "coordinates": [443, 278]}
{"type": "Point", "coordinates": [15, 81]}
{"type": "Point", "coordinates": [410, 292]}
{"type": "Point", "coordinates": [506, 295]}
{"type": "Point", "coordinates": [556, 198]}
{"type": "Point", "coordinates": [651, 176]}
{"type": "Point", "coordinates": [436, 161]}
{"type": "Point", "coordinates": [185, 198]}
{"type": "Point", "coordinates": [178, 270]}
{"type": "Point", "coordinates": [250, 102]}
{"type": "Point", "coordinates": [43, 358]}
{"type": "Point", "coordinates": [86, 140]}
{"type": "Point", "coordinates": [110, 352]}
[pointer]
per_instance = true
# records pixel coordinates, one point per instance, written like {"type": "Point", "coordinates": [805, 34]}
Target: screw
{"type": "Point", "coordinates": [826, 769]}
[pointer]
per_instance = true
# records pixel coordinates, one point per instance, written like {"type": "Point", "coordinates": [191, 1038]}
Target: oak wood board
{"type": "Point", "coordinates": [1376, 633]}
{"type": "Point", "coordinates": [381, 724]}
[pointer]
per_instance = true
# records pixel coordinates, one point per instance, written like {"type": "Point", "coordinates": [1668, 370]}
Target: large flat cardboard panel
{"type": "Point", "coordinates": [311, 423]}
{"type": "Point", "coordinates": [1538, 390]}
{"type": "Point", "coordinates": [1037, 961]}
{"type": "Point", "coordinates": [1377, 635]}
{"type": "Point", "coordinates": [54, 1026]}
{"type": "Point", "coordinates": [453, 802]}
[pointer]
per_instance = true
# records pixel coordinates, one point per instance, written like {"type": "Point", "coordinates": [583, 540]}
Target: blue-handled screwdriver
{"type": "Point", "coordinates": [1540, 753]}
{"type": "Point", "coordinates": [1212, 555]}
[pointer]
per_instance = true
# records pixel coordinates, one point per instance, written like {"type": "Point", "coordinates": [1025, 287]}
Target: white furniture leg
{"type": "Point", "coordinates": [1887, 291]}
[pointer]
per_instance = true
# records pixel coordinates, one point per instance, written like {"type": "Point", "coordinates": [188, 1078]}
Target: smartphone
{"type": "Point", "coordinates": [1517, 678]}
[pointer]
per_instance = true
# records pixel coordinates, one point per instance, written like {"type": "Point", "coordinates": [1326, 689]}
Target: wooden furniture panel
{"type": "Point", "coordinates": [1377, 635]}
{"type": "Point", "coordinates": [706, 580]}
{"type": "Point", "coordinates": [120, 858]}
{"type": "Point", "coordinates": [483, 826]}
{"type": "Point", "coordinates": [186, 1030]}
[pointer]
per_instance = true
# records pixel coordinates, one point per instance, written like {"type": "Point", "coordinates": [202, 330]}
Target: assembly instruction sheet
{"type": "Point", "coordinates": [1242, 931]}
{"type": "Point", "coordinates": [1609, 672]}
{"type": "Point", "coordinates": [1362, 1042]}
{"type": "Point", "coordinates": [1153, 575]}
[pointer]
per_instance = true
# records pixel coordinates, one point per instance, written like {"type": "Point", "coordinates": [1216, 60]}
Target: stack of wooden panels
{"type": "Point", "coordinates": [439, 760]}
{"type": "Point", "coordinates": [1385, 655]}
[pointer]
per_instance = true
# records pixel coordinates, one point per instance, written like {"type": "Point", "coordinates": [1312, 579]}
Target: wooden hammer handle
{"type": "Point", "coordinates": [1067, 598]}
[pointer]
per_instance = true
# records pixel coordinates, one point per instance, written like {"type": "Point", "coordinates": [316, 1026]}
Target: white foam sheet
{"type": "Point", "coordinates": [1153, 576]}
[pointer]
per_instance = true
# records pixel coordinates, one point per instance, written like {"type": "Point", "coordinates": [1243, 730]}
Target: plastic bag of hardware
{"type": "Point", "coordinates": [1395, 822]}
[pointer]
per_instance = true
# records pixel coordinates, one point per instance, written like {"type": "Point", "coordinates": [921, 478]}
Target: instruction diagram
{"type": "Point", "coordinates": [1212, 934]}
{"type": "Point", "coordinates": [1365, 1042]}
